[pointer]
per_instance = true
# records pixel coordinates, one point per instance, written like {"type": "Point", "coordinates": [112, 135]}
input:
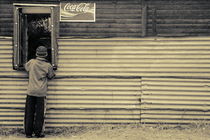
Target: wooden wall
{"type": "Point", "coordinates": [6, 18]}
{"type": "Point", "coordinates": [118, 18]}
{"type": "Point", "coordinates": [118, 80]}
{"type": "Point", "coordinates": [123, 18]}
{"type": "Point", "coordinates": [6, 14]}
{"type": "Point", "coordinates": [178, 17]}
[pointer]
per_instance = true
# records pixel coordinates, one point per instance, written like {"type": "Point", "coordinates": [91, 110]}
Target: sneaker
{"type": "Point", "coordinates": [28, 136]}
{"type": "Point", "coordinates": [40, 136]}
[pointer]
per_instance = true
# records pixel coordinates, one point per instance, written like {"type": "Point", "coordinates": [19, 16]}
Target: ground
{"type": "Point", "coordinates": [117, 132]}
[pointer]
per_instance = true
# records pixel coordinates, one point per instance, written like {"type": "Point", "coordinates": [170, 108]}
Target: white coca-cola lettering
{"type": "Point", "coordinates": [81, 7]}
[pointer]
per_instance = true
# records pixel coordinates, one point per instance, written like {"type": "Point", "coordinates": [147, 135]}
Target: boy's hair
{"type": "Point", "coordinates": [41, 51]}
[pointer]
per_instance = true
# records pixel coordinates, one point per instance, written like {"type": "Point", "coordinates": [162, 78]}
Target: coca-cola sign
{"type": "Point", "coordinates": [77, 12]}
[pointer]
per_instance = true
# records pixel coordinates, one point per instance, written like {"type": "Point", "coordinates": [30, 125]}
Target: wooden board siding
{"type": "Point", "coordinates": [122, 18]}
{"type": "Point", "coordinates": [113, 19]}
{"type": "Point", "coordinates": [6, 18]}
{"type": "Point", "coordinates": [178, 17]}
{"type": "Point", "coordinates": [118, 18]}
{"type": "Point", "coordinates": [6, 14]}
{"type": "Point", "coordinates": [98, 81]}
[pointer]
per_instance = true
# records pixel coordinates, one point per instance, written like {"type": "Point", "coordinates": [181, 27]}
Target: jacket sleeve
{"type": "Point", "coordinates": [27, 65]}
{"type": "Point", "coordinates": [51, 73]}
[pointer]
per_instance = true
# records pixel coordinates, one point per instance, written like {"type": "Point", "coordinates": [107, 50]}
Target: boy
{"type": "Point", "coordinates": [39, 72]}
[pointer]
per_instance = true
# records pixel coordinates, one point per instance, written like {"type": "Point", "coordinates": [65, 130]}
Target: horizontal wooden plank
{"type": "Point", "coordinates": [100, 30]}
{"type": "Point", "coordinates": [100, 26]}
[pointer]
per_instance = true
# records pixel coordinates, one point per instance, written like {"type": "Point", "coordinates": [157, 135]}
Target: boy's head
{"type": "Point", "coordinates": [41, 51]}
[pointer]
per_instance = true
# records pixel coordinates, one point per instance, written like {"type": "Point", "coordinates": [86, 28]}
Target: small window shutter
{"type": "Point", "coordinates": [54, 33]}
{"type": "Point", "coordinates": [16, 36]}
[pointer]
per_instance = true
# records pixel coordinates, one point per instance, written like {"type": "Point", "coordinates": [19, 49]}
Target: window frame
{"type": "Point", "coordinates": [17, 31]}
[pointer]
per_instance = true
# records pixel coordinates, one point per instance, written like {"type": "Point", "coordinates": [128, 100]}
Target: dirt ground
{"type": "Point", "coordinates": [117, 132]}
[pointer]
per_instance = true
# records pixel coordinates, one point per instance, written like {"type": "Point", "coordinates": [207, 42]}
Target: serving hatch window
{"type": "Point", "coordinates": [34, 25]}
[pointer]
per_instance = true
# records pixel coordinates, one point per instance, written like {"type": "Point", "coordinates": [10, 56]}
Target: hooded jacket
{"type": "Point", "coordinates": [39, 71]}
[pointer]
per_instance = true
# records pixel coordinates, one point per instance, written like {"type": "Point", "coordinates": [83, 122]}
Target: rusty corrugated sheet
{"type": "Point", "coordinates": [107, 96]}
{"type": "Point", "coordinates": [75, 101]}
{"type": "Point", "coordinates": [135, 57]}
{"type": "Point", "coordinates": [175, 100]}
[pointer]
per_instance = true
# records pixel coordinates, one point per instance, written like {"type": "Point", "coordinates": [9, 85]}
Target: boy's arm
{"type": "Point", "coordinates": [51, 73]}
{"type": "Point", "coordinates": [26, 66]}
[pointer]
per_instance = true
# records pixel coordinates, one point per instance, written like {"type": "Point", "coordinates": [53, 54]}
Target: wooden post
{"type": "Point", "coordinates": [154, 21]}
{"type": "Point", "coordinates": [144, 18]}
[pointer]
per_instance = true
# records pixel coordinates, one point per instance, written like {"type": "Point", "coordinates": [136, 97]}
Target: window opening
{"type": "Point", "coordinates": [39, 34]}
{"type": "Point", "coordinates": [33, 27]}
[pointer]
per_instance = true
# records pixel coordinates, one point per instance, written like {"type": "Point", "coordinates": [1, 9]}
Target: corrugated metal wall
{"type": "Point", "coordinates": [135, 56]}
{"type": "Point", "coordinates": [76, 100]}
{"type": "Point", "coordinates": [98, 81]}
{"type": "Point", "coordinates": [175, 100]}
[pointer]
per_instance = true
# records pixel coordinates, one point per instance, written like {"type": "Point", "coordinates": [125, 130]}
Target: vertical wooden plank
{"type": "Point", "coordinates": [154, 21]}
{"type": "Point", "coordinates": [16, 38]}
{"type": "Point", "coordinates": [144, 18]}
{"type": "Point", "coordinates": [54, 34]}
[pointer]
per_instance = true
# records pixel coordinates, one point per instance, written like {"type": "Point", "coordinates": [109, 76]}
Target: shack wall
{"type": "Point", "coordinates": [113, 19]}
{"type": "Point", "coordinates": [99, 82]}
{"type": "Point", "coordinates": [123, 18]}
{"type": "Point", "coordinates": [178, 17]}
{"type": "Point", "coordinates": [119, 80]}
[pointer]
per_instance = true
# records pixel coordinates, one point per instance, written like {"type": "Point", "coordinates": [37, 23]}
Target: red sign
{"type": "Point", "coordinates": [77, 12]}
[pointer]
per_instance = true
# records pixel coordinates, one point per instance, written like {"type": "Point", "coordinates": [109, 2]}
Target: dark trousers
{"type": "Point", "coordinates": [34, 115]}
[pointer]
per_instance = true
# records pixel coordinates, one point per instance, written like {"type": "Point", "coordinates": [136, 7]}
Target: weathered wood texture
{"type": "Point", "coordinates": [178, 17]}
{"type": "Point", "coordinates": [122, 18]}
{"type": "Point", "coordinates": [106, 98]}
{"type": "Point", "coordinates": [6, 14]}
{"type": "Point", "coordinates": [118, 18]}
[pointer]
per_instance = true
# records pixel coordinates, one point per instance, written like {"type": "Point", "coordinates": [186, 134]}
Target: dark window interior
{"type": "Point", "coordinates": [35, 32]}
